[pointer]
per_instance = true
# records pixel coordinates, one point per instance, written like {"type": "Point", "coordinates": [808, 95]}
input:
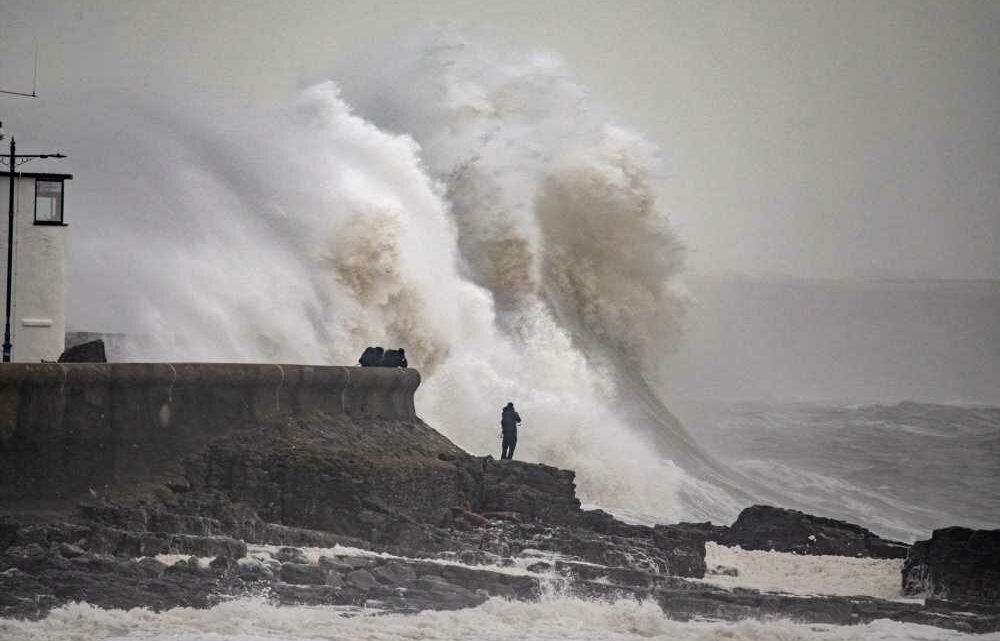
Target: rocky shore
{"type": "Point", "coordinates": [326, 507]}
{"type": "Point", "coordinates": [762, 527]}
{"type": "Point", "coordinates": [423, 515]}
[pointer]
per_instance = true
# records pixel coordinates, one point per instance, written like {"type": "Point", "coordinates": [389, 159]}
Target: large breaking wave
{"type": "Point", "coordinates": [485, 216]}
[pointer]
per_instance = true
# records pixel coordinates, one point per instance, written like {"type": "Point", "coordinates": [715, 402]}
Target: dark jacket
{"type": "Point", "coordinates": [509, 418]}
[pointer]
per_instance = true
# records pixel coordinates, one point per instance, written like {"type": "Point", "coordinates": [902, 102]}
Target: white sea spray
{"type": "Point", "coordinates": [509, 236]}
{"type": "Point", "coordinates": [552, 618]}
{"type": "Point", "coordinates": [804, 574]}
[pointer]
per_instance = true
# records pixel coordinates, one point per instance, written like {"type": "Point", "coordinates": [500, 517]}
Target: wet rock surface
{"type": "Point", "coordinates": [685, 603]}
{"type": "Point", "coordinates": [957, 565]}
{"type": "Point", "coordinates": [762, 527]}
{"type": "Point", "coordinates": [427, 526]}
{"type": "Point", "coordinates": [389, 514]}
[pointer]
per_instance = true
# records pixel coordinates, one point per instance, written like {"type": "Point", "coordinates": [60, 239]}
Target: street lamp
{"type": "Point", "coordinates": [12, 162]}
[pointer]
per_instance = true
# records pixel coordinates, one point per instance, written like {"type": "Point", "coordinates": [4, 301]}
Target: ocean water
{"type": "Point", "coordinates": [900, 469]}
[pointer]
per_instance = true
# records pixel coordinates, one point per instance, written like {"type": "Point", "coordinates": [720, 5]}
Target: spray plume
{"type": "Point", "coordinates": [509, 238]}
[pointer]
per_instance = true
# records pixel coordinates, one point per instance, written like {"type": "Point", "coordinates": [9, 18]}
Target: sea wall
{"type": "Point", "coordinates": [66, 428]}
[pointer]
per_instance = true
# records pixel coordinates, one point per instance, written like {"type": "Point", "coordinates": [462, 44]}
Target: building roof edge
{"type": "Point", "coordinates": [42, 175]}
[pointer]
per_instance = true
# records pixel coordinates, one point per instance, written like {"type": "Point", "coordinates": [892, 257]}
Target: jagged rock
{"type": "Point", "coordinates": [436, 583]}
{"type": "Point", "coordinates": [70, 551]}
{"type": "Point", "coordinates": [685, 550]}
{"type": "Point", "coordinates": [707, 530]}
{"type": "Point", "coordinates": [361, 579]}
{"type": "Point", "coordinates": [290, 555]}
{"type": "Point", "coordinates": [104, 540]}
{"type": "Point", "coordinates": [763, 527]}
{"type": "Point", "coordinates": [118, 517]}
{"type": "Point", "coordinates": [323, 475]}
{"type": "Point", "coordinates": [190, 565]}
{"type": "Point", "coordinates": [290, 594]}
{"type": "Point", "coordinates": [618, 576]}
{"type": "Point", "coordinates": [483, 556]}
{"type": "Point", "coordinates": [108, 581]}
{"type": "Point", "coordinates": [207, 546]}
{"type": "Point", "coordinates": [151, 544]}
{"type": "Point", "coordinates": [8, 532]}
{"type": "Point", "coordinates": [277, 534]}
{"type": "Point", "coordinates": [441, 517]}
{"type": "Point", "coordinates": [538, 491]}
{"type": "Point", "coordinates": [26, 558]}
{"type": "Point", "coordinates": [170, 523]}
{"type": "Point", "coordinates": [474, 519]}
{"type": "Point", "coordinates": [685, 601]}
{"type": "Point", "coordinates": [724, 570]}
{"type": "Point", "coordinates": [253, 570]}
{"type": "Point", "coordinates": [446, 595]}
{"type": "Point", "coordinates": [96, 563]}
{"type": "Point", "coordinates": [957, 564]}
{"type": "Point", "coordinates": [356, 562]}
{"type": "Point", "coordinates": [513, 517]}
{"type": "Point", "coordinates": [653, 550]}
{"type": "Point", "coordinates": [33, 534]}
{"type": "Point", "coordinates": [331, 563]}
{"type": "Point", "coordinates": [45, 535]}
{"type": "Point", "coordinates": [151, 567]}
{"type": "Point", "coordinates": [303, 574]}
{"type": "Point", "coordinates": [395, 573]}
{"type": "Point", "coordinates": [89, 352]}
{"type": "Point", "coordinates": [493, 583]}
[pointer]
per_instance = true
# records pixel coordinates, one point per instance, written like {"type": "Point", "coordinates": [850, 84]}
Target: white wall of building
{"type": "Point", "coordinates": [38, 313]}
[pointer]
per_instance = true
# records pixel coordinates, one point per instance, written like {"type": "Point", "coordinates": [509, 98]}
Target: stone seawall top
{"type": "Point", "coordinates": [65, 427]}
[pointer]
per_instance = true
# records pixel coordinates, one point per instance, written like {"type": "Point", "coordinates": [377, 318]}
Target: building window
{"type": "Point", "coordinates": [48, 202]}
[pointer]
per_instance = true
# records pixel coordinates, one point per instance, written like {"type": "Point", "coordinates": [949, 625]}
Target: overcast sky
{"type": "Point", "coordinates": [853, 139]}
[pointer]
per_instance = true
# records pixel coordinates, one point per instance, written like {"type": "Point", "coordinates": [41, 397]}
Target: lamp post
{"type": "Point", "coordinates": [13, 161]}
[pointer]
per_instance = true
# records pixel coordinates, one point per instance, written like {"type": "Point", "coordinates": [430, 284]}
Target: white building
{"type": "Point", "coordinates": [38, 304]}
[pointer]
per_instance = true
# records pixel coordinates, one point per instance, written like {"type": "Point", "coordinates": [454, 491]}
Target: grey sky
{"type": "Point", "coordinates": [815, 139]}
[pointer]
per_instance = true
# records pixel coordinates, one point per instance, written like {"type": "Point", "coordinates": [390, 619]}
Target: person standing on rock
{"type": "Point", "coordinates": [509, 418]}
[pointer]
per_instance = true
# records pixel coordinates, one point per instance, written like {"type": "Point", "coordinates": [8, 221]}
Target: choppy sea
{"type": "Point", "coordinates": [900, 469]}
